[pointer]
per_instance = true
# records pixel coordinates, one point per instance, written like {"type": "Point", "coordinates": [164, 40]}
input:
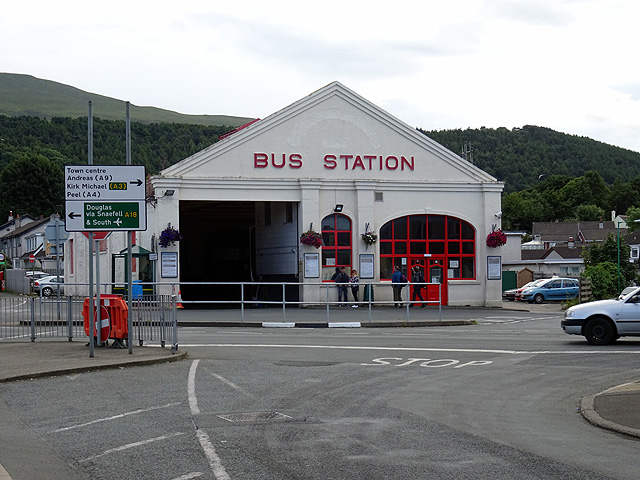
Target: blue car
{"type": "Point", "coordinates": [552, 289]}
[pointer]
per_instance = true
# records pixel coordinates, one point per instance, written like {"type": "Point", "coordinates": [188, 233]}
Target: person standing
{"type": "Point", "coordinates": [355, 286]}
{"type": "Point", "coordinates": [397, 282]}
{"type": "Point", "coordinates": [334, 279]}
{"type": "Point", "coordinates": [343, 281]}
{"type": "Point", "coordinates": [417, 279]}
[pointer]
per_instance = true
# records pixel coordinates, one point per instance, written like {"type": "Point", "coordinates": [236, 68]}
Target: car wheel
{"type": "Point", "coordinates": [600, 331]}
{"type": "Point", "coordinates": [47, 291]}
{"type": "Point", "coordinates": [538, 298]}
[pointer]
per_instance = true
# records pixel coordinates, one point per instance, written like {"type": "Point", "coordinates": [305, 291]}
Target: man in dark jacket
{"type": "Point", "coordinates": [417, 279]}
{"type": "Point", "coordinates": [342, 280]}
{"type": "Point", "coordinates": [398, 281]}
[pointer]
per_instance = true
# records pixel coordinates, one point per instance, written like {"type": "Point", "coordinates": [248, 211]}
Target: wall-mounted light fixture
{"type": "Point", "coordinates": [338, 208]}
{"type": "Point", "coordinates": [169, 193]}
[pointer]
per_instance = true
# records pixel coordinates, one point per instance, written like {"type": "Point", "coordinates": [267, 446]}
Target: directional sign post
{"type": "Point", "coordinates": [105, 198]}
{"type": "Point", "coordinates": [108, 215]}
{"type": "Point", "coordinates": [55, 232]}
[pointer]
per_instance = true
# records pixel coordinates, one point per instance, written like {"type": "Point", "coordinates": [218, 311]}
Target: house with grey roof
{"type": "Point", "coordinates": [26, 240]}
{"type": "Point", "coordinates": [557, 248]}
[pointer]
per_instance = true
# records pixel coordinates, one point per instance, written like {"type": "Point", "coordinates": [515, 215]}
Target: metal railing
{"type": "Point", "coordinates": [154, 317]}
{"type": "Point", "coordinates": [30, 318]}
{"type": "Point", "coordinates": [323, 297]}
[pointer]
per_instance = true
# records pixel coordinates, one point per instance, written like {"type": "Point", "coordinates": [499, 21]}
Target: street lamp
{"type": "Point", "coordinates": [618, 225]}
{"type": "Point", "coordinates": [618, 228]}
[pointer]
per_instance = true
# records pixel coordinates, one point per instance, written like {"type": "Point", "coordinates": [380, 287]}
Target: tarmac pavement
{"type": "Point", "coordinates": [616, 409]}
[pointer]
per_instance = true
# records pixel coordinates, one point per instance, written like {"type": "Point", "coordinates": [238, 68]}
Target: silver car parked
{"type": "Point", "coordinates": [49, 285]}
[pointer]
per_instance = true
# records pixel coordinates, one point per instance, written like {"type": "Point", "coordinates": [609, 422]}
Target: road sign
{"type": "Point", "coordinates": [102, 325]}
{"type": "Point", "coordinates": [97, 235]}
{"type": "Point", "coordinates": [55, 232]}
{"type": "Point", "coordinates": [32, 258]}
{"type": "Point", "coordinates": [101, 216]}
{"type": "Point", "coordinates": [105, 198]}
{"type": "Point", "coordinates": [104, 182]}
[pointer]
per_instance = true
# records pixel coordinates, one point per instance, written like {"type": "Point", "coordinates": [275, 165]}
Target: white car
{"type": "Point", "coordinates": [604, 321]}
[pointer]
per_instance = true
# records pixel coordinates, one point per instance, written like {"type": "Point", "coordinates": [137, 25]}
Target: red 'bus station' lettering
{"type": "Point", "coordinates": [331, 162]}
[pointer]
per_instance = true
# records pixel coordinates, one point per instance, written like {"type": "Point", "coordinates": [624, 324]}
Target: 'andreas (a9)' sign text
{"type": "Point", "coordinates": [344, 162]}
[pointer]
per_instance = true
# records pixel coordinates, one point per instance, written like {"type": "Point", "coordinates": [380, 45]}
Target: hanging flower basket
{"type": "Point", "coordinates": [369, 238]}
{"type": "Point", "coordinates": [311, 238]}
{"type": "Point", "coordinates": [169, 236]}
{"type": "Point", "coordinates": [496, 239]}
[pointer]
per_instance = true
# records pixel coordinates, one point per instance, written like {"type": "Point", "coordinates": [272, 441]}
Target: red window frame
{"type": "Point", "coordinates": [336, 244]}
{"type": "Point", "coordinates": [432, 235]}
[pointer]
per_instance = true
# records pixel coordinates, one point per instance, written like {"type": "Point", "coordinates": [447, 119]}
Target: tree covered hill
{"type": "Point", "coordinates": [521, 156]}
{"type": "Point", "coordinates": [43, 126]}
{"type": "Point", "coordinates": [33, 153]}
{"type": "Point", "coordinates": [25, 95]}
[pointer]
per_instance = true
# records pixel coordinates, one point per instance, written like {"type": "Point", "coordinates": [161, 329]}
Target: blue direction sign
{"type": "Point", "coordinates": [55, 232]}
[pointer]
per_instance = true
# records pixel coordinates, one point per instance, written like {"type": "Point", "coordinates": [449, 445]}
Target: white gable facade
{"type": "Point", "coordinates": [243, 203]}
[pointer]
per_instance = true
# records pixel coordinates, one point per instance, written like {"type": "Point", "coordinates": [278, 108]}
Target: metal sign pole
{"type": "Point", "coordinates": [56, 223]}
{"type": "Point", "coordinates": [90, 162]}
{"type": "Point", "coordinates": [98, 304]}
{"type": "Point", "coordinates": [129, 240]}
{"type": "Point", "coordinates": [91, 315]}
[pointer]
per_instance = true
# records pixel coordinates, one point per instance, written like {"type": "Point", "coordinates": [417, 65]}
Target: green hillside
{"type": "Point", "coordinates": [25, 95]}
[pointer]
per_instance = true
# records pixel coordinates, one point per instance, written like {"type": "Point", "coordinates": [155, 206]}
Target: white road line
{"type": "Point", "coordinates": [414, 349]}
{"type": "Point", "coordinates": [131, 445]}
{"type": "Point", "coordinates": [115, 417]}
{"type": "Point", "coordinates": [17, 336]}
{"type": "Point", "coordinates": [210, 452]}
{"type": "Point", "coordinates": [216, 465]}
{"type": "Point", "coordinates": [191, 388]}
{"type": "Point", "coordinates": [189, 476]}
{"type": "Point", "coordinates": [230, 383]}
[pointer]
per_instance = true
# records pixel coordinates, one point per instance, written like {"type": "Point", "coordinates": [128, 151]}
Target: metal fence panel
{"type": "Point", "coordinates": [30, 318]}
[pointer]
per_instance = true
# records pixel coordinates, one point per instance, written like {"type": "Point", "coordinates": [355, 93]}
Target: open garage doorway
{"type": "Point", "coordinates": [229, 241]}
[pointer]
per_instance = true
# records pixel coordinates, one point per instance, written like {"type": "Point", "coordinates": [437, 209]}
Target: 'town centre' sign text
{"type": "Point", "coordinates": [100, 197]}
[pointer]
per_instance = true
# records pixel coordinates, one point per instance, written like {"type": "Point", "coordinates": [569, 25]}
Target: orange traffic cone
{"type": "Point", "coordinates": [178, 303]}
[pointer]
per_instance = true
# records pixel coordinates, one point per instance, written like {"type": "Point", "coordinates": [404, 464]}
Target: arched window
{"type": "Point", "coordinates": [336, 248]}
{"type": "Point", "coordinates": [411, 239]}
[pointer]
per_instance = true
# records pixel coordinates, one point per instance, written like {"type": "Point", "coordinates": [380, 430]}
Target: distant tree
{"type": "Point", "coordinates": [604, 280]}
{"type": "Point", "coordinates": [633, 214]}
{"type": "Point", "coordinates": [521, 209]}
{"type": "Point", "coordinates": [586, 213]}
{"type": "Point", "coordinates": [585, 190]}
{"type": "Point", "coordinates": [607, 252]}
{"type": "Point", "coordinates": [623, 195]}
{"type": "Point", "coordinates": [32, 184]}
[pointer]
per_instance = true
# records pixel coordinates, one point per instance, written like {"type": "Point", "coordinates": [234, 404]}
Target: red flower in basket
{"type": "Point", "coordinates": [311, 238]}
{"type": "Point", "coordinates": [496, 238]}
